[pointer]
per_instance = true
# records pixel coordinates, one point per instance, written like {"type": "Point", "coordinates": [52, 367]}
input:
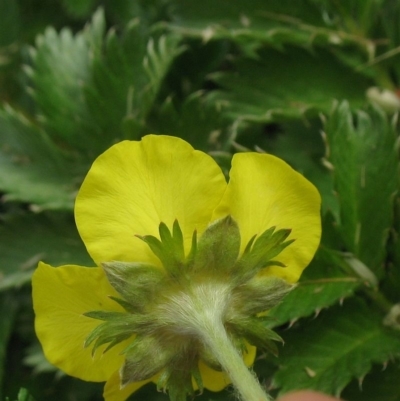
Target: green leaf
{"type": "Point", "coordinates": [196, 120]}
{"type": "Point", "coordinates": [92, 89]}
{"type": "Point", "coordinates": [159, 56]}
{"type": "Point", "coordinates": [126, 79]}
{"type": "Point", "coordinates": [29, 238]}
{"type": "Point", "coordinates": [391, 280]}
{"type": "Point", "coordinates": [365, 170]}
{"type": "Point", "coordinates": [191, 68]}
{"type": "Point", "coordinates": [79, 8]}
{"type": "Point", "coordinates": [61, 68]}
{"type": "Point", "coordinates": [381, 383]}
{"type": "Point", "coordinates": [355, 15]}
{"type": "Point", "coordinates": [8, 309]}
{"type": "Point", "coordinates": [323, 284]}
{"type": "Point", "coordinates": [274, 22]}
{"type": "Point", "coordinates": [10, 24]}
{"type": "Point", "coordinates": [326, 353]}
{"type": "Point", "coordinates": [32, 168]}
{"type": "Point", "coordinates": [287, 84]}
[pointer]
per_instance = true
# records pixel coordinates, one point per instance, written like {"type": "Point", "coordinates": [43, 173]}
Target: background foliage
{"type": "Point", "coordinates": [314, 82]}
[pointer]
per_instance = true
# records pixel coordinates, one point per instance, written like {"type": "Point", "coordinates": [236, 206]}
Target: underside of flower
{"type": "Point", "coordinates": [170, 314]}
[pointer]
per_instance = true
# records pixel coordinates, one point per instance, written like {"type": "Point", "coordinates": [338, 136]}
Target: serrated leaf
{"type": "Point", "coordinates": [323, 284]}
{"type": "Point", "coordinates": [196, 120]}
{"type": "Point", "coordinates": [32, 168]}
{"type": "Point", "coordinates": [286, 85]}
{"type": "Point", "coordinates": [365, 170]}
{"type": "Point", "coordinates": [62, 66]}
{"type": "Point", "coordinates": [381, 383]}
{"type": "Point", "coordinates": [92, 89]}
{"type": "Point", "coordinates": [391, 280]}
{"type": "Point", "coordinates": [325, 354]}
{"type": "Point", "coordinates": [29, 238]}
{"type": "Point", "coordinates": [192, 67]}
{"type": "Point", "coordinates": [248, 23]}
{"type": "Point", "coordinates": [354, 14]}
{"type": "Point", "coordinates": [159, 55]}
{"type": "Point", "coordinates": [127, 77]}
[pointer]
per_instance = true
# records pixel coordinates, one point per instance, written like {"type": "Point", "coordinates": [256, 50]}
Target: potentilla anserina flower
{"type": "Point", "coordinates": [187, 264]}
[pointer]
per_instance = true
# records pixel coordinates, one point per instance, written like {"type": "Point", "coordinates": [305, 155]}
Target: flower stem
{"type": "Point", "coordinates": [201, 312]}
{"type": "Point", "coordinates": [216, 338]}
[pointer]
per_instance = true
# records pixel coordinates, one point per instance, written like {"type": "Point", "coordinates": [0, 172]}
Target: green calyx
{"type": "Point", "coordinates": [166, 312]}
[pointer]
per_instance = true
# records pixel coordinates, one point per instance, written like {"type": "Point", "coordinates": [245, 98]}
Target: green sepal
{"type": "Point", "coordinates": [173, 241]}
{"type": "Point", "coordinates": [117, 327]}
{"type": "Point", "coordinates": [260, 294]}
{"type": "Point", "coordinates": [169, 248]}
{"type": "Point", "coordinates": [105, 315]}
{"type": "Point", "coordinates": [249, 245]}
{"type": "Point", "coordinates": [137, 283]}
{"type": "Point", "coordinates": [260, 251]}
{"type": "Point", "coordinates": [256, 333]}
{"type": "Point", "coordinates": [125, 304]}
{"type": "Point", "coordinates": [193, 249]}
{"type": "Point", "coordinates": [146, 356]}
{"type": "Point", "coordinates": [177, 376]}
{"type": "Point", "coordinates": [197, 377]}
{"type": "Point", "coordinates": [218, 247]}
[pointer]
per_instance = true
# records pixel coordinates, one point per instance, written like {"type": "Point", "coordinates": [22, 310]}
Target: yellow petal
{"type": "Point", "coordinates": [212, 379]}
{"type": "Point", "coordinates": [134, 186]}
{"type": "Point", "coordinates": [113, 392]}
{"type": "Point", "coordinates": [250, 355]}
{"type": "Point", "coordinates": [60, 298]}
{"type": "Point", "coordinates": [217, 381]}
{"type": "Point", "coordinates": [264, 191]}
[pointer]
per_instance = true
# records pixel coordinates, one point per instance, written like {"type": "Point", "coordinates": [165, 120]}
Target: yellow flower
{"type": "Point", "coordinates": [129, 191]}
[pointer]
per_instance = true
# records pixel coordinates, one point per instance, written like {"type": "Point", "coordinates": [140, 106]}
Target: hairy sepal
{"type": "Point", "coordinates": [259, 294]}
{"type": "Point", "coordinates": [259, 252]}
{"type": "Point", "coordinates": [137, 283]}
{"type": "Point", "coordinates": [177, 376]}
{"type": "Point", "coordinates": [169, 248]}
{"type": "Point", "coordinates": [218, 248]}
{"type": "Point", "coordinates": [116, 327]}
{"type": "Point", "coordinates": [256, 333]}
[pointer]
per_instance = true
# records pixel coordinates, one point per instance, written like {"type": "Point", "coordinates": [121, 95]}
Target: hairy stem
{"type": "Point", "coordinates": [247, 385]}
